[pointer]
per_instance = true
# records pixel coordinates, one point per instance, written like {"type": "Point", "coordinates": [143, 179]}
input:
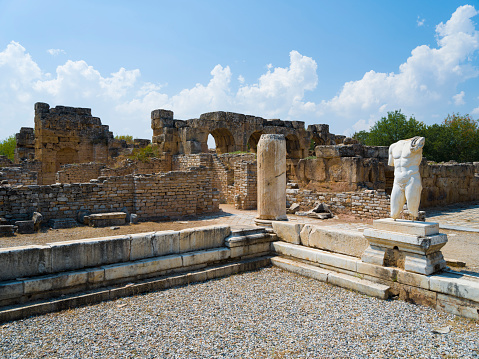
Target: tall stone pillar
{"type": "Point", "coordinates": [271, 155]}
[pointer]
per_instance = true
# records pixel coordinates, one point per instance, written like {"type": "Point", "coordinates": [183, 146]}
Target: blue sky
{"type": "Point", "coordinates": [344, 63]}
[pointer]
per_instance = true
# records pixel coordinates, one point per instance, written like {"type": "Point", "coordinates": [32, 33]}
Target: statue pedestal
{"type": "Point", "coordinates": [409, 245]}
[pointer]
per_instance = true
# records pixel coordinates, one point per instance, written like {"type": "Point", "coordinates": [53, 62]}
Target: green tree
{"type": "Point", "coordinates": [391, 129]}
{"type": "Point", "coordinates": [127, 138]}
{"type": "Point", "coordinates": [7, 147]}
{"type": "Point", "coordinates": [457, 139]}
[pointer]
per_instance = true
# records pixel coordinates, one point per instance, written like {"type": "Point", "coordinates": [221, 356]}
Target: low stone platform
{"type": "Point", "coordinates": [409, 245]}
{"type": "Point", "coordinates": [106, 219]}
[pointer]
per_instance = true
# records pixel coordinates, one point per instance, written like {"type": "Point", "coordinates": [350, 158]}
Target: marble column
{"type": "Point", "coordinates": [271, 154]}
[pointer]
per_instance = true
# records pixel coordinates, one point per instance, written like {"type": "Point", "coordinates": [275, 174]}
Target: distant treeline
{"type": "Point", "coordinates": [456, 138]}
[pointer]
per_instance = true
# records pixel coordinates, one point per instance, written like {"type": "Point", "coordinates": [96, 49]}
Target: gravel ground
{"type": "Point", "coordinates": [264, 314]}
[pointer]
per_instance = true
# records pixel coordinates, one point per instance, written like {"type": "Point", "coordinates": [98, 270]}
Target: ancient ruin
{"type": "Point", "coordinates": [70, 171]}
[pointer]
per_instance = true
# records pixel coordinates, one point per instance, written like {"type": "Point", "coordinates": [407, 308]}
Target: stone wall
{"type": "Point", "coordinates": [5, 162]}
{"type": "Point", "coordinates": [149, 196]}
{"type": "Point", "coordinates": [447, 183]}
{"type": "Point", "coordinates": [25, 149]}
{"type": "Point", "coordinates": [17, 176]}
{"type": "Point", "coordinates": [363, 204]}
{"type": "Point", "coordinates": [232, 132]}
{"type": "Point", "coordinates": [342, 168]}
{"type": "Point", "coordinates": [245, 186]}
{"type": "Point", "coordinates": [79, 172]}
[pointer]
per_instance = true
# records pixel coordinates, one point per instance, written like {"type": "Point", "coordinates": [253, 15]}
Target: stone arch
{"type": "Point", "coordinates": [253, 141]}
{"type": "Point", "coordinates": [293, 147]}
{"type": "Point", "coordinates": [224, 140]}
{"type": "Point", "coordinates": [66, 156]}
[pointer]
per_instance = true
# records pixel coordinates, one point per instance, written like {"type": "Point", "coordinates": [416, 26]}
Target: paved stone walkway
{"type": "Point", "coordinates": [463, 216]}
{"type": "Point", "coordinates": [458, 216]}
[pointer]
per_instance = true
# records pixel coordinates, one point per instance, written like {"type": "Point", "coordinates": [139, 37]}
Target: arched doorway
{"type": "Point", "coordinates": [224, 140]}
{"type": "Point", "coordinates": [253, 140]}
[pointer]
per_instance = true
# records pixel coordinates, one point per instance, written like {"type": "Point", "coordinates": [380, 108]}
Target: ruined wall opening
{"type": "Point", "coordinates": [66, 156]}
{"type": "Point", "coordinates": [224, 141]}
{"type": "Point", "coordinates": [253, 140]}
{"type": "Point", "coordinates": [293, 149]}
{"type": "Point", "coordinates": [315, 141]}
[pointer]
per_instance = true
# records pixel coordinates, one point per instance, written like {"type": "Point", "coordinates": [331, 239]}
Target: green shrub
{"type": "Point", "coordinates": [7, 147]}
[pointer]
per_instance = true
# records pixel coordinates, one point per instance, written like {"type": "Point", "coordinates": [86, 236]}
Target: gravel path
{"type": "Point", "coordinates": [264, 314]}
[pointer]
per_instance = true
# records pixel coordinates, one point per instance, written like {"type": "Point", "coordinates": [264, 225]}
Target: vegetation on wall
{"type": "Point", "coordinates": [145, 154]}
{"type": "Point", "coordinates": [7, 147]}
{"type": "Point", "coordinates": [127, 138]}
{"type": "Point", "coordinates": [456, 138]}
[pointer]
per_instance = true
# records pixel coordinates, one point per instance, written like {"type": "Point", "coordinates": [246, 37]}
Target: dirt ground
{"type": "Point", "coordinates": [461, 246]}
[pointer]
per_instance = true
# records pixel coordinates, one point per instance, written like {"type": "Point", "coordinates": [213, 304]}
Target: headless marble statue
{"type": "Point", "coordinates": [405, 156]}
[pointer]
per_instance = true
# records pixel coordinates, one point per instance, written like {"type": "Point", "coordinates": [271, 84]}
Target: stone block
{"type": "Point", "coordinates": [413, 279]}
{"type": "Point", "coordinates": [458, 306]}
{"type": "Point", "coordinates": [107, 219]}
{"type": "Point", "coordinates": [141, 246]}
{"type": "Point", "coordinates": [250, 250]}
{"type": "Point", "coordinates": [55, 281]}
{"type": "Point", "coordinates": [416, 295]}
{"type": "Point", "coordinates": [376, 271]}
{"type": "Point", "coordinates": [303, 269]}
{"type": "Point", "coordinates": [141, 267]}
{"type": "Point", "coordinates": [288, 232]}
{"type": "Point", "coordinates": [455, 284]}
{"type": "Point", "coordinates": [205, 257]}
{"type": "Point", "coordinates": [316, 255]}
{"type": "Point", "coordinates": [195, 239]}
{"type": "Point", "coordinates": [17, 262]}
{"type": "Point", "coordinates": [11, 289]}
{"type": "Point", "coordinates": [407, 227]}
{"type": "Point", "coordinates": [25, 227]}
{"type": "Point", "coordinates": [89, 252]}
{"type": "Point", "coordinates": [359, 285]}
{"type": "Point", "coordinates": [166, 242]}
{"type": "Point", "coordinates": [7, 230]}
{"type": "Point", "coordinates": [351, 243]}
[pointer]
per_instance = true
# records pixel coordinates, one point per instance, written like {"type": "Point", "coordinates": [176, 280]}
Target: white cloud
{"type": "Point", "coordinates": [420, 22]}
{"type": "Point", "coordinates": [427, 80]}
{"type": "Point", "coordinates": [459, 98]}
{"type": "Point", "coordinates": [56, 52]}
{"type": "Point", "coordinates": [428, 77]}
{"type": "Point", "coordinates": [475, 111]}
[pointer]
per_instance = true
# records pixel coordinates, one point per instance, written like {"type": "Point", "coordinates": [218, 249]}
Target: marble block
{"type": "Point", "coordinates": [410, 245]}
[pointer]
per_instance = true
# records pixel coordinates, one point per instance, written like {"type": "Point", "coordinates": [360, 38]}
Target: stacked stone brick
{"type": "Point", "coordinates": [369, 204]}
{"type": "Point", "coordinates": [79, 172]}
{"type": "Point", "coordinates": [17, 176]}
{"type": "Point", "coordinates": [151, 197]}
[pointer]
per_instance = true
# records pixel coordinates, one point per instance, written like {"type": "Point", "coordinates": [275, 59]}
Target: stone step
{"type": "Point", "coordinates": [248, 236]}
{"type": "Point", "coordinates": [341, 280]}
{"type": "Point", "coordinates": [25, 310]}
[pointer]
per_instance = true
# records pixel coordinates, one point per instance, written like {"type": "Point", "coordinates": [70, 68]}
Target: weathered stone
{"type": "Point", "coordinates": [133, 218]}
{"type": "Point", "coordinates": [37, 220]}
{"type": "Point", "coordinates": [288, 232]}
{"type": "Point", "coordinates": [106, 219]}
{"type": "Point", "coordinates": [7, 230]}
{"type": "Point", "coordinates": [335, 240]}
{"type": "Point", "coordinates": [25, 227]}
{"type": "Point", "coordinates": [272, 178]}
{"type": "Point", "coordinates": [412, 246]}
{"type": "Point", "coordinates": [293, 208]}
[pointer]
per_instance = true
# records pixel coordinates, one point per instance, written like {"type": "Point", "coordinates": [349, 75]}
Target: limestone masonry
{"type": "Point", "coordinates": [70, 146]}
